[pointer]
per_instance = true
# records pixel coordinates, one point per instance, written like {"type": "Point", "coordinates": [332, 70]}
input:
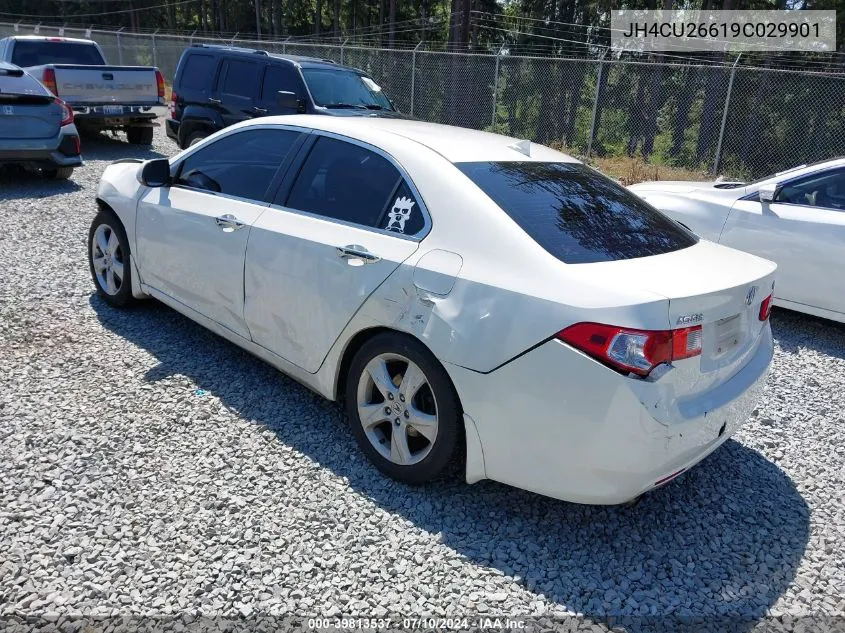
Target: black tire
{"type": "Point", "coordinates": [122, 297]}
{"type": "Point", "coordinates": [446, 449]}
{"type": "Point", "coordinates": [57, 173]}
{"type": "Point", "coordinates": [140, 135]}
{"type": "Point", "coordinates": [194, 138]}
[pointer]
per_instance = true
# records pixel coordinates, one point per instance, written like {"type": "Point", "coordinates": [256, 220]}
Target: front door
{"type": "Point", "coordinates": [192, 236]}
{"type": "Point", "coordinates": [349, 220]}
{"type": "Point", "coordinates": [803, 230]}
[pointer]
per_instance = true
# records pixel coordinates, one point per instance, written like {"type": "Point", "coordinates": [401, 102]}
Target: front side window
{"type": "Point", "coordinates": [575, 213]}
{"type": "Point", "coordinates": [279, 78]}
{"type": "Point", "coordinates": [41, 52]}
{"type": "Point", "coordinates": [826, 190]}
{"type": "Point", "coordinates": [239, 78]}
{"type": "Point", "coordinates": [242, 164]}
{"type": "Point", "coordinates": [339, 88]}
{"type": "Point", "coordinates": [348, 182]}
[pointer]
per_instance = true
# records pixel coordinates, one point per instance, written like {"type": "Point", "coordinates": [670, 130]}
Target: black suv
{"type": "Point", "coordinates": [217, 86]}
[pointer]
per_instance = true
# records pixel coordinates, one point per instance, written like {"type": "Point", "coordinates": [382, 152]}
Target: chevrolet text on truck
{"type": "Point", "coordinates": [102, 97]}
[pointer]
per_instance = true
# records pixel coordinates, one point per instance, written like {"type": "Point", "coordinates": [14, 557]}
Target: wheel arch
{"type": "Point", "coordinates": [357, 341]}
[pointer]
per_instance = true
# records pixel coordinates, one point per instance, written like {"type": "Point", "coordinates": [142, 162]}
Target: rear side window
{"type": "Point", "coordinates": [198, 72]}
{"type": "Point", "coordinates": [40, 52]}
{"type": "Point", "coordinates": [242, 164]}
{"type": "Point", "coordinates": [278, 78]}
{"type": "Point", "coordinates": [575, 213]}
{"type": "Point", "coordinates": [346, 182]}
{"type": "Point", "coordinates": [239, 78]}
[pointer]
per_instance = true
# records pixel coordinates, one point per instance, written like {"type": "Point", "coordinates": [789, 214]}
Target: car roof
{"type": "Point", "coordinates": [455, 144]}
{"type": "Point", "coordinates": [52, 38]}
{"type": "Point", "coordinates": [302, 60]}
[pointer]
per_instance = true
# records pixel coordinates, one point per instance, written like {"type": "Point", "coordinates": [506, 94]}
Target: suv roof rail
{"type": "Point", "coordinates": [239, 49]}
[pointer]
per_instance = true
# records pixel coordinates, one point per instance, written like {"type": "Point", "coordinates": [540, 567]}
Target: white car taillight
{"type": "Point", "coordinates": [630, 350]}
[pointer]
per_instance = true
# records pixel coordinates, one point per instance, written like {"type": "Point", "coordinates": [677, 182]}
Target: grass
{"type": "Point", "coordinates": [630, 170]}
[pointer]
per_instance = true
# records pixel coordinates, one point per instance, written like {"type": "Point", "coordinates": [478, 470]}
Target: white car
{"type": "Point", "coordinates": [796, 218]}
{"type": "Point", "coordinates": [471, 298]}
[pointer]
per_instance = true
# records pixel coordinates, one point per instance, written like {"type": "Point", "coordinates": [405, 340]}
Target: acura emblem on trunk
{"type": "Point", "coordinates": [749, 298]}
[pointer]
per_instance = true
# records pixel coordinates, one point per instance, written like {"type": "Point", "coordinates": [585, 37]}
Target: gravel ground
{"type": "Point", "coordinates": [149, 467]}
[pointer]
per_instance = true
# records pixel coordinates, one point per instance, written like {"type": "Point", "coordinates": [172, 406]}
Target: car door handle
{"type": "Point", "coordinates": [229, 223]}
{"type": "Point", "coordinates": [354, 251]}
{"type": "Point", "coordinates": [213, 100]}
{"type": "Point", "coordinates": [258, 110]}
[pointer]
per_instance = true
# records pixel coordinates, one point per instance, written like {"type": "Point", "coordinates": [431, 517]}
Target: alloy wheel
{"type": "Point", "coordinates": [397, 409]}
{"type": "Point", "coordinates": [107, 259]}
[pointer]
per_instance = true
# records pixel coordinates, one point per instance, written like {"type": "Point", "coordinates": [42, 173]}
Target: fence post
{"type": "Point", "coordinates": [119, 47]}
{"type": "Point", "coordinates": [155, 52]}
{"type": "Point", "coordinates": [414, 74]}
{"type": "Point", "coordinates": [496, 84]}
{"type": "Point", "coordinates": [718, 157]}
{"type": "Point", "coordinates": [596, 104]}
{"type": "Point", "coordinates": [284, 45]}
{"type": "Point", "coordinates": [342, 44]}
{"type": "Point", "coordinates": [191, 39]}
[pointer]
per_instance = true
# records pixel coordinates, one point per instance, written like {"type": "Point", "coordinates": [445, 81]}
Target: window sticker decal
{"type": "Point", "coordinates": [399, 214]}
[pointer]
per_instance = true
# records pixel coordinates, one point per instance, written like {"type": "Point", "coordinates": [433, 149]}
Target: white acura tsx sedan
{"type": "Point", "coordinates": [471, 298]}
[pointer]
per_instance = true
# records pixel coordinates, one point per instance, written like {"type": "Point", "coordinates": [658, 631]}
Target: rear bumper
{"type": "Point", "coordinates": [49, 152]}
{"type": "Point", "coordinates": [560, 424]}
{"type": "Point", "coordinates": [96, 115]}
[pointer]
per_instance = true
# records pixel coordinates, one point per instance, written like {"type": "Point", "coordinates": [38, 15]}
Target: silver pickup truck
{"type": "Point", "coordinates": [102, 97]}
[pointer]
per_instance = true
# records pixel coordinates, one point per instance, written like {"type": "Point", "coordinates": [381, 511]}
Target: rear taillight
{"type": "Point", "coordinates": [629, 350]}
{"type": "Point", "coordinates": [49, 80]}
{"type": "Point", "coordinates": [766, 308]}
{"type": "Point", "coordinates": [160, 83]}
{"type": "Point", "coordinates": [67, 113]}
{"type": "Point", "coordinates": [173, 98]}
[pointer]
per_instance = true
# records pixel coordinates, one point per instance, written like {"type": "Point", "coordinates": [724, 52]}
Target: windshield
{"type": "Point", "coordinates": [42, 52]}
{"type": "Point", "coordinates": [575, 213]}
{"type": "Point", "coordinates": [337, 88]}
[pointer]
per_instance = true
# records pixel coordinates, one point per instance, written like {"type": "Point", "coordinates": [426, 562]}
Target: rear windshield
{"type": "Point", "coordinates": [41, 52]}
{"type": "Point", "coordinates": [575, 213]}
{"type": "Point", "coordinates": [23, 85]}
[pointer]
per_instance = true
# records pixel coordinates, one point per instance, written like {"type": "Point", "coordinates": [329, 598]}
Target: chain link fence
{"type": "Point", "coordinates": [734, 121]}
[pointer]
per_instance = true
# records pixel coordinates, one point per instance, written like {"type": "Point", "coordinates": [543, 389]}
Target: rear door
{"type": "Point", "coordinates": [803, 230]}
{"type": "Point", "coordinates": [237, 88]}
{"type": "Point", "coordinates": [192, 236]}
{"type": "Point", "coordinates": [340, 227]}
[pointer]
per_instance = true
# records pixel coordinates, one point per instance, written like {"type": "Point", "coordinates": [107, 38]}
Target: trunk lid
{"type": "Point", "coordinates": [29, 116]}
{"type": "Point", "coordinates": [103, 85]}
{"type": "Point", "coordinates": [713, 286]}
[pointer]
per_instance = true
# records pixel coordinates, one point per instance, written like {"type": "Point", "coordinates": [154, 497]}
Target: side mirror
{"type": "Point", "coordinates": [154, 173]}
{"type": "Point", "coordinates": [288, 99]}
{"type": "Point", "coordinates": [768, 192]}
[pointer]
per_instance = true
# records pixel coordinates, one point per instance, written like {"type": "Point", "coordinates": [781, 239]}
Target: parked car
{"type": "Point", "coordinates": [36, 127]}
{"type": "Point", "coordinates": [469, 297]}
{"type": "Point", "coordinates": [795, 218]}
{"type": "Point", "coordinates": [216, 86]}
{"type": "Point", "coordinates": [103, 97]}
